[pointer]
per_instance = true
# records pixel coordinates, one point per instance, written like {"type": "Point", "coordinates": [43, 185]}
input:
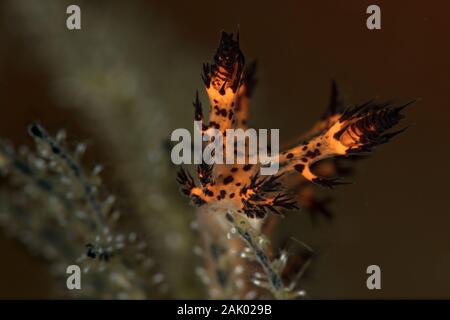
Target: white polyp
{"type": "Point", "coordinates": [61, 135]}
{"type": "Point", "coordinates": [120, 245]}
{"type": "Point", "coordinates": [132, 237]}
{"type": "Point", "coordinates": [198, 251]}
{"type": "Point", "coordinates": [239, 269]}
{"type": "Point", "coordinates": [251, 295]}
{"type": "Point", "coordinates": [97, 169]}
{"type": "Point", "coordinates": [110, 200]}
{"type": "Point", "coordinates": [158, 278]}
{"type": "Point", "coordinates": [194, 225]}
{"type": "Point", "coordinates": [301, 293]}
{"type": "Point", "coordinates": [259, 275]}
{"type": "Point", "coordinates": [39, 164]}
{"type": "Point", "coordinates": [69, 195]}
{"type": "Point", "coordinates": [115, 215]}
{"type": "Point", "coordinates": [65, 180]}
{"type": "Point", "coordinates": [80, 149]}
{"type": "Point", "coordinates": [256, 282]}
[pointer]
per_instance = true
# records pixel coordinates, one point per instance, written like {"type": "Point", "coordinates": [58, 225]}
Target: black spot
{"type": "Point", "coordinates": [310, 154]}
{"type": "Point", "coordinates": [36, 131]}
{"type": "Point", "coordinates": [231, 195]}
{"type": "Point", "coordinates": [289, 155]}
{"type": "Point", "coordinates": [299, 167]}
{"type": "Point", "coordinates": [247, 167]}
{"type": "Point", "coordinates": [214, 124]}
{"type": "Point", "coordinates": [227, 180]}
{"type": "Point", "coordinates": [215, 251]}
{"type": "Point", "coordinates": [222, 89]}
{"type": "Point", "coordinates": [90, 251]}
{"type": "Point", "coordinates": [56, 150]}
{"type": "Point", "coordinates": [44, 184]}
{"type": "Point", "coordinates": [221, 278]}
{"type": "Point", "coordinates": [234, 169]}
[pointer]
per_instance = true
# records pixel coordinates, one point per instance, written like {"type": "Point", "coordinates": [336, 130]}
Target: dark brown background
{"type": "Point", "coordinates": [395, 215]}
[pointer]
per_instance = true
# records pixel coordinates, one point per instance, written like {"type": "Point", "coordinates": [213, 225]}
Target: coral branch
{"type": "Point", "coordinates": [273, 268]}
{"type": "Point", "coordinates": [66, 215]}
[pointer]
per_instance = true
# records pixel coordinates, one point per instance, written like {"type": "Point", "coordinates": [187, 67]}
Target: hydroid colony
{"type": "Point", "coordinates": [62, 211]}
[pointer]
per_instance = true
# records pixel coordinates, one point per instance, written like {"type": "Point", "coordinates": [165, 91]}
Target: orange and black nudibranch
{"type": "Point", "coordinates": [340, 132]}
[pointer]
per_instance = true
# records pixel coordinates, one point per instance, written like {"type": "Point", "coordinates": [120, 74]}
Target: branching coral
{"type": "Point", "coordinates": [239, 196]}
{"type": "Point", "coordinates": [64, 213]}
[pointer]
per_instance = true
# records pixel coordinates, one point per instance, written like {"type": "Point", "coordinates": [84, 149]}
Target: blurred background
{"type": "Point", "coordinates": [128, 77]}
